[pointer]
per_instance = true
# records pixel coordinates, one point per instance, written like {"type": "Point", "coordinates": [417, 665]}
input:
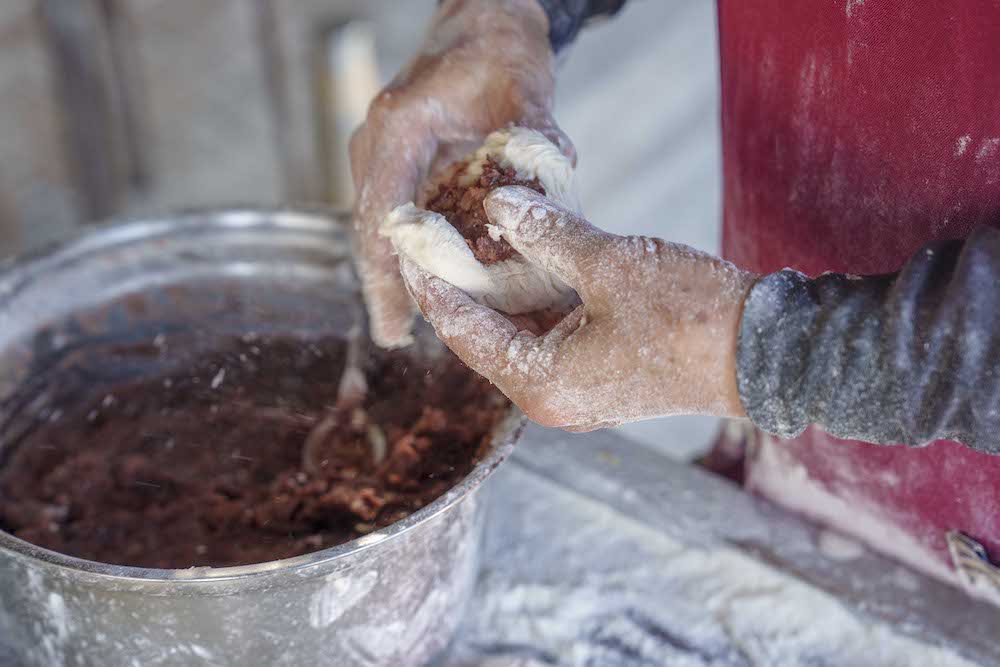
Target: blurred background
{"type": "Point", "coordinates": [113, 108]}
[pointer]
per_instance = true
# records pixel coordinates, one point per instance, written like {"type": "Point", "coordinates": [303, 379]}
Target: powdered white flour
{"type": "Point", "coordinates": [614, 591]}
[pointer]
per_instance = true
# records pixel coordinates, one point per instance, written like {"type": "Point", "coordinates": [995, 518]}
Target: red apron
{"type": "Point", "coordinates": [855, 131]}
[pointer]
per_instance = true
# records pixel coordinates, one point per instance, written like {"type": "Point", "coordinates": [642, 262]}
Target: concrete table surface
{"type": "Point", "coordinates": [600, 551]}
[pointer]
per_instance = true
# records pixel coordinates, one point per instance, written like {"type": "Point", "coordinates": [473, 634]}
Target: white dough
{"type": "Point", "coordinates": [532, 156]}
{"type": "Point", "coordinates": [514, 285]}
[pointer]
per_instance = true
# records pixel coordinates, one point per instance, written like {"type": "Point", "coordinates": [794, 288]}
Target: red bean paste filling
{"type": "Point", "coordinates": [242, 459]}
{"type": "Point", "coordinates": [462, 207]}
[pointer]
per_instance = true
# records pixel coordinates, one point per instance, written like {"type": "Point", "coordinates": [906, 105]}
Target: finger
{"type": "Point", "coordinates": [484, 339]}
{"type": "Point", "coordinates": [547, 234]}
{"type": "Point", "coordinates": [557, 401]}
{"type": "Point", "coordinates": [540, 322]}
{"type": "Point", "coordinates": [562, 140]}
{"type": "Point", "coordinates": [566, 327]}
{"type": "Point", "coordinates": [392, 172]}
{"type": "Point", "coordinates": [592, 427]}
{"type": "Point", "coordinates": [390, 309]}
{"type": "Point", "coordinates": [521, 365]}
{"type": "Point", "coordinates": [387, 173]}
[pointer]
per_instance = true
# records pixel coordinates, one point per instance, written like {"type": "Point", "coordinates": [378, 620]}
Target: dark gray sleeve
{"type": "Point", "coordinates": [567, 17]}
{"type": "Point", "coordinates": [905, 358]}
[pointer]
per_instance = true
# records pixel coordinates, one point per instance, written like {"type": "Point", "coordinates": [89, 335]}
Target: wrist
{"type": "Point", "coordinates": [533, 11]}
{"type": "Point", "coordinates": [715, 345]}
{"type": "Point", "coordinates": [730, 392]}
{"type": "Point", "coordinates": [529, 13]}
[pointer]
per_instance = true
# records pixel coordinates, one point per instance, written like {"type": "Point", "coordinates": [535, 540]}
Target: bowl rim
{"type": "Point", "coordinates": [319, 220]}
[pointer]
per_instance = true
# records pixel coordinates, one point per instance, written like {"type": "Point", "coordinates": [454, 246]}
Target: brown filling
{"type": "Point", "coordinates": [462, 207]}
{"type": "Point", "coordinates": [241, 460]}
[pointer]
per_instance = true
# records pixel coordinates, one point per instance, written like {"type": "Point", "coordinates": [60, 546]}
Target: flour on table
{"type": "Point", "coordinates": [513, 285]}
{"type": "Point", "coordinates": [838, 547]}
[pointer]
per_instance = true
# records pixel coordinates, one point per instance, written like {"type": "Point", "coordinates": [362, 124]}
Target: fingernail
{"type": "Point", "coordinates": [506, 207]}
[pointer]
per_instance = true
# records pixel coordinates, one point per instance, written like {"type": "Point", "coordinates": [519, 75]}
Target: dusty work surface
{"type": "Point", "coordinates": [602, 552]}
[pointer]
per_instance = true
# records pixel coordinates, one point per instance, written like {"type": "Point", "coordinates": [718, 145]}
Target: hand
{"type": "Point", "coordinates": [485, 65]}
{"type": "Point", "coordinates": [656, 334]}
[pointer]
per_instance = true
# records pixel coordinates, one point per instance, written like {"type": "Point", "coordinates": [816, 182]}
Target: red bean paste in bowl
{"type": "Point", "coordinates": [244, 457]}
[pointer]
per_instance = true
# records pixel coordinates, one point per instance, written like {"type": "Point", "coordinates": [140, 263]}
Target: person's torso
{"type": "Point", "coordinates": [853, 133]}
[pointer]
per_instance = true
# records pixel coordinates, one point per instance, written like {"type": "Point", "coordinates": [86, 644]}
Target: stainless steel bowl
{"type": "Point", "coordinates": [393, 597]}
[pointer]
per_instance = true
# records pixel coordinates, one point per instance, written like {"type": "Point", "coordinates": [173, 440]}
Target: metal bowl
{"type": "Point", "coordinates": [393, 597]}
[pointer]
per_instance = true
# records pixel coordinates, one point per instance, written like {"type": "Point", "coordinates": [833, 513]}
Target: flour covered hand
{"type": "Point", "coordinates": [655, 335]}
{"type": "Point", "coordinates": [451, 237]}
{"type": "Point", "coordinates": [485, 65]}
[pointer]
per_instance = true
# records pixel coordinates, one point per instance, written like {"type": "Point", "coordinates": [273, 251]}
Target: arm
{"type": "Point", "coordinates": [906, 358]}
{"type": "Point", "coordinates": [567, 17]}
{"type": "Point", "coordinates": [664, 329]}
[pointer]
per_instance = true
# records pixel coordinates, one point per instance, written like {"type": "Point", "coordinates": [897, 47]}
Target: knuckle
{"type": "Point", "coordinates": [387, 105]}
{"type": "Point", "coordinates": [383, 101]}
{"type": "Point", "coordinates": [395, 115]}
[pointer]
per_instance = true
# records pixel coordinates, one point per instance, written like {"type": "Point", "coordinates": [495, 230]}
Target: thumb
{"type": "Point", "coordinates": [548, 235]}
